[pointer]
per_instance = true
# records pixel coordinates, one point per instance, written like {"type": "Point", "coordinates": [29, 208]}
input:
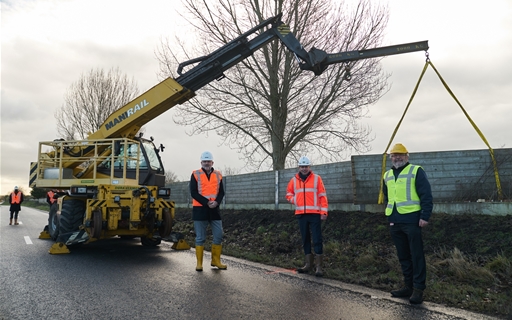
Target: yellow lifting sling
{"type": "Point", "coordinates": [384, 156]}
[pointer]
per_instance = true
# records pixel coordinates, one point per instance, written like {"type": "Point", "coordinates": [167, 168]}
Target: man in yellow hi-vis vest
{"type": "Point", "coordinates": [408, 196]}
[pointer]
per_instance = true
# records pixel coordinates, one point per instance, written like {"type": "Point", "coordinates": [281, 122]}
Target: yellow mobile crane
{"type": "Point", "coordinates": [115, 180]}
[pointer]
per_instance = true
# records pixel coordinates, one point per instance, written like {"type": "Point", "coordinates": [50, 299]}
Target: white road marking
{"type": "Point", "coordinates": [27, 240]}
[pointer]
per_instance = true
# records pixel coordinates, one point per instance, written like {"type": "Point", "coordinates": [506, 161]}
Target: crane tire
{"type": "Point", "coordinates": [150, 242]}
{"type": "Point", "coordinates": [53, 222]}
{"type": "Point", "coordinates": [71, 215]}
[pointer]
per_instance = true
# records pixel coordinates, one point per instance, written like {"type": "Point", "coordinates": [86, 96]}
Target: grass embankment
{"type": "Point", "coordinates": [469, 257]}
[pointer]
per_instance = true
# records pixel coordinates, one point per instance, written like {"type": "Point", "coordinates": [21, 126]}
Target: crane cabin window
{"type": "Point", "coordinates": [152, 156]}
{"type": "Point", "coordinates": [129, 153]}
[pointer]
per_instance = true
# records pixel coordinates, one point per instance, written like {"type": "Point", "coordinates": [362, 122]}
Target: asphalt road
{"type": "Point", "coordinates": [121, 279]}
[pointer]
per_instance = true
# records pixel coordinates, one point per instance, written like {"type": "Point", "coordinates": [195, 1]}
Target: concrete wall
{"type": "Point", "coordinates": [455, 176]}
{"type": "Point", "coordinates": [459, 179]}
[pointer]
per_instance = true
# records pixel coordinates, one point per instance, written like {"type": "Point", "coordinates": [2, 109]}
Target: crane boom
{"type": "Point", "coordinates": [129, 119]}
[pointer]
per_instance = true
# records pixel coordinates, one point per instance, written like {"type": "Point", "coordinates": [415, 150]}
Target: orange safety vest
{"type": "Point", "coordinates": [16, 198]}
{"type": "Point", "coordinates": [308, 196]}
{"type": "Point", "coordinates": [50, 196]}
{"type": "Point", "coordinates": [207, 188]}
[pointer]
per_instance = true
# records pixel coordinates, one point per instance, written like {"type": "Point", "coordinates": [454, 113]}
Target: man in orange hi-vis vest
{"type": "Point", "coordinates": [15, 200]}
{"type": "Point", "coordinates": [307, 192]}
{"type": "Point", "coordinates": [207, 191]}
{"type": "Point", "coordinates": [51, 197]}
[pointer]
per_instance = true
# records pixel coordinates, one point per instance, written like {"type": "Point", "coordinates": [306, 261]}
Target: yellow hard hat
{"type": "Point", "coordinates": [399, 148]}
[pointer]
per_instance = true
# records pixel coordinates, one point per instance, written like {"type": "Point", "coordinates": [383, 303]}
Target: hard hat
{"type": "Point", "coordinates": [206, 156]}
{"type": "Point", "coordinates": [304, 161]}
{"type": "Point", "coordinates": [15, 187]}
{"type": "Point", "coordinates": [399, 148]}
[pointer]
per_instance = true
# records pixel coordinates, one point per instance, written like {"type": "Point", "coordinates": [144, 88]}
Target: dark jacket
{"type": "Point", "coordinates": [15, 206]}
{"type": "Point", "coordinates": [204, 212]}
{"type": "Point", "coordinates": [424, 192]}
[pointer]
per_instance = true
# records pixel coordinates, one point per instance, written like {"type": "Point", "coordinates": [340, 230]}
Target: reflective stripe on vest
{"type": "Point", "coordinates": [402, 191]}
{"type": "Point", "coordinates": [16, 198]}
{"type": "Point", "coordinates": [207, 188]}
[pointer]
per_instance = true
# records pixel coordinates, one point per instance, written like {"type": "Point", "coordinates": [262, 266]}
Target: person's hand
{"type": "Point", "coordinates": [323, 217]}
{"type": "Point", "coordinates": [423, 223]}
{"type": "Point", "coordinates": [212, 204]}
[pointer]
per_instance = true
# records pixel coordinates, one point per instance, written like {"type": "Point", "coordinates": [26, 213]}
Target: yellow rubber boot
{"type": "Point", "coordinates": [216, 251]}
{"type": "Point", "coordinates": [199, 256]}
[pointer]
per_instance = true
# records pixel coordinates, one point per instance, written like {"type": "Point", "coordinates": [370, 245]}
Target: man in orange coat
{"type": "Point", "coordinates": [307, 192]}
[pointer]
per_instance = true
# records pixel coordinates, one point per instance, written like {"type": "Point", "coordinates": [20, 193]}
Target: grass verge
{"type": "Point", "coordinates": [469, 257]}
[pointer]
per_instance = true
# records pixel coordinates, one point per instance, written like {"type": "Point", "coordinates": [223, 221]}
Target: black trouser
{"type": "Point", "coordinates": [15, 213]}
{"type": "Point", "coordinates": [313, 223]}
{"type": "Point", "coordinates": [409, 247]}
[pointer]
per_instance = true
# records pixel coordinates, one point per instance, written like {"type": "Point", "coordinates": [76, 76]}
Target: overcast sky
{"type": "Point", "coordinates": [47, 44]}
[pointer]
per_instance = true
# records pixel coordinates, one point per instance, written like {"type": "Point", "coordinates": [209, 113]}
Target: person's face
{"type": "Point", "coordinates": [304, 169]}
{"type": "Point", "coordinates": [399, 159]}
{"type": "Point", "coordinates": [207, 165]}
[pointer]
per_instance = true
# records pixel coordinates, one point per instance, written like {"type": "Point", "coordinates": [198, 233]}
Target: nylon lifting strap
{"type": "Point", "coordinates": [491, 152]}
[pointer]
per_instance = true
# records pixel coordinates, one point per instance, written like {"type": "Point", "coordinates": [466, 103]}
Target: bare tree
{"type": "Point", "coordinates": [230, 171]}
{"type": "Point", "coordinates": [266, 107]}
{"type": "Point", "coordinates": [170, 177]}
{"type": "Point", "coordinates": [90, 100]}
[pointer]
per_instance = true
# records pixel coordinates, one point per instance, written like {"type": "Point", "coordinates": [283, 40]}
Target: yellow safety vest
{"type": "Point", "coordinates": [402, 191]}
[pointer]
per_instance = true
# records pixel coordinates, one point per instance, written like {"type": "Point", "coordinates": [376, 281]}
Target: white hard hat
{"type": "Point", "coordinates": [206, 156]}
{"type": "Point", "coordinates": [15, 187]}
{"type": "Point", "coordinates": [304, 161]}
